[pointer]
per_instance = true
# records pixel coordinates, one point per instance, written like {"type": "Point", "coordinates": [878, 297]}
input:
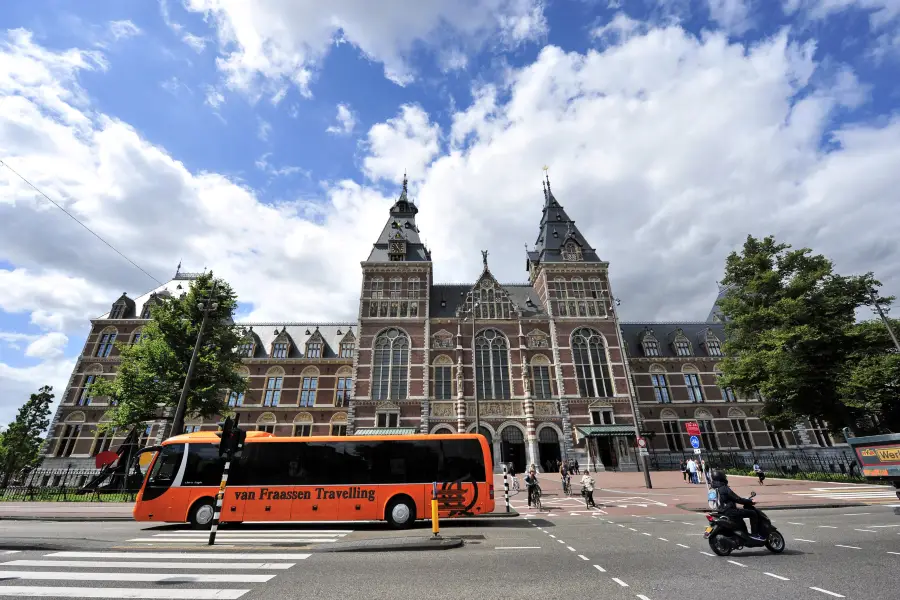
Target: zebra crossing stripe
{"type": "Point", "coordinates": [184, 555]}
{"type": "Point", "coordinates": [143, 577]}
{"type": "Point", "coordinates": [117, 593]}
{"type": "Point", "coordinates": [144, 565]}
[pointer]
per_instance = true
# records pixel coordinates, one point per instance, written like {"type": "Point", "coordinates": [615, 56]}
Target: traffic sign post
{"type": "Point", "coordinates": [643, 455]}
{"type": "Point", "coordinates": [692, 428]}
{"type": "Point", "coordinates": [695, 442]}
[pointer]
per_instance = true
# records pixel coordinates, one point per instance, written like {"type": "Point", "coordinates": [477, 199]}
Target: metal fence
{"type": "Point", "coordinates": [61, 485]}
{"type": "Point", "coordinates": [774, 463]}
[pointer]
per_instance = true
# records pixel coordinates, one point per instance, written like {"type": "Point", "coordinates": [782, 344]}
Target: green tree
{"type": "Point", "coordinates": [792, 332]}
{"type": "Point", "coordinates": [21, 442]}
{"type": "Point", "coordinates": [871, 382]}
{"type": "Point", "coordinates": [152, 371]}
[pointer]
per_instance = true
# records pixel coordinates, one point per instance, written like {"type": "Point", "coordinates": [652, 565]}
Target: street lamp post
{"type": "Point", "coordinates": [887, 323]}
{"type": "Point", "coordinates": [471, 311]}
{"type": "Point", "coordinates": [206, 306]}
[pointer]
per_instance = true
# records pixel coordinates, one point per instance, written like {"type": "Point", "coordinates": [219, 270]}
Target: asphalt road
{"type": "Point", "coordinates": [831, 553]}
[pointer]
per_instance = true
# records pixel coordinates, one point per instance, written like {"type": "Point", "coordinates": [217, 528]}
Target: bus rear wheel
{"type": "Point", "coordinates": [201, 515]}
{"type": "Point", "coordinates": [400, 512]}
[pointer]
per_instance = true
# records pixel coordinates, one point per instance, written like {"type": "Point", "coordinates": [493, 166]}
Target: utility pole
{"type": "Point", "coordinates": [887, 323]}
{"type": "Point", "coordinates": [471, 312]}
{"type": "Point", "coordinates": [206, 306]}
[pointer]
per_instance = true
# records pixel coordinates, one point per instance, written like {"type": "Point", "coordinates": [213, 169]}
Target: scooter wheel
{"type": "Point", "coordinates": [720, 545]}
{"type": "Point", "coordinates": [775, 542]}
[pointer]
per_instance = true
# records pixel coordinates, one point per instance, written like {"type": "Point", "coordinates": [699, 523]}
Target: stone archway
{"type": "Point", "coordinates": [549, 453]}
{"type": "Point", "coordinates": [512, 447]}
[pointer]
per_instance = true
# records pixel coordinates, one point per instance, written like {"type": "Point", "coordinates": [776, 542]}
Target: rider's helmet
{"type": "Point", "coordinates": [718, 476]}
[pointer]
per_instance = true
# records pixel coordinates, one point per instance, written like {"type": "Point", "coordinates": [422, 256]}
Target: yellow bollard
{"type": "Point", "coordinates": [435, 527]}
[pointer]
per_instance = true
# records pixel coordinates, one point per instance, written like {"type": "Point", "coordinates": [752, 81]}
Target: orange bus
{"type": "Point", "coordinates": [354, 478]}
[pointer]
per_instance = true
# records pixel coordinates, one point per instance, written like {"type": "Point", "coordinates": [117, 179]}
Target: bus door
{"type": "Point", "coordinates": [315, 466]}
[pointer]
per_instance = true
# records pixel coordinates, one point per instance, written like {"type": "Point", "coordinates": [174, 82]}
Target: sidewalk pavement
{"type": "Point", "coordinates": [670, 488]}
{"type": "Point", "coordinates": [66, 511]}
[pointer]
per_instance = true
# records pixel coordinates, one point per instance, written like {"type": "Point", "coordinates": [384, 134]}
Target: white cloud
{"type": "Point", "coordinates": [667, 150]}
{"type": "Point", "coordinates": [619, 29]}
{"type": "Point", "coordinates": [123, 29]}
{"type": "Point", "coordinates": [18, 383]}
{"type": "Point", "coordinates": [263, 129]}
{"type": "Point", "coordinates": [731, 15]}
{"type": "Point", "coordinates": [267, 43]}
{"type": "Point", "coordinates": [407, 142]}
{"type": "Point", "coordinates": [880, 11]}
{"type": "Point", "coordinates": [214, 97]}
{"type": "Point", "coordinates": [196, 42]}
{"type": "Point", "coordinates": [346, 121]}
{"type": "Point", "coordinates": [48, 346]}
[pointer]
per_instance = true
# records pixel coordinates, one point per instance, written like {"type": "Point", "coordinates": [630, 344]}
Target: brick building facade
{"type": "Point", "coordinates": [546, 364]}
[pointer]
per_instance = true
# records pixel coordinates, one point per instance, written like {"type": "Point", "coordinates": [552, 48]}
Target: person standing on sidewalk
{"type": "Point", "coordinates": [692, 469]}
{"type": "Point", "coordinates": [684, 471]}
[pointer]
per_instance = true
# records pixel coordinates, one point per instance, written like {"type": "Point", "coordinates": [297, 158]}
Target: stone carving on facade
{"type": "Point", "coordinates": [526, 376]}
{"type": "Point", "coordinates": [538, 339]}
{"type": "Point", "coordinates": [443, 409]}
{"type": "Point", "coordinates": [443, 339]}
{"type": "Point", "coordinates": [502, 409]}
{"type": "Point", "coordinates": [459, 376]}
{"type": "Point", "coordinates": [546, 409]}
{"type": "Point", "coordinates": [386, 406]}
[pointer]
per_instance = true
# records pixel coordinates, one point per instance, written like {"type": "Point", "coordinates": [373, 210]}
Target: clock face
{"type": "Point", "coordinates": [397, 247]}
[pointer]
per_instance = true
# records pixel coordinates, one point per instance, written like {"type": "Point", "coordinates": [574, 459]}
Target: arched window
{"type": "Point", "coordinates": [589, 353]}
{"type": "Point", "coordinates": [106, 342]}
{"type": "Point", "coordinates": [492, 301]}
{"type": "Point", "coordinates": [442, 378]}
{"type": "Point", "coordinates": [491, 366]}
{"type": "Point", "coordinates": [389, 377]}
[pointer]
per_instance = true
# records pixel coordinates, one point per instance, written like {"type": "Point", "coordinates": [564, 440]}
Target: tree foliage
{"type": "Point", "coordinates": [153, 370]}
{"type": "Point", "coordinates": [21, 442]}
{"type": "Point", "coordinates": [792, 336]}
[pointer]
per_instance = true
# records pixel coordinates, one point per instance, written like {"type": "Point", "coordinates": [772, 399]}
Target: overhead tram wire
{"type": "Point", "coordinates": [74, 218]}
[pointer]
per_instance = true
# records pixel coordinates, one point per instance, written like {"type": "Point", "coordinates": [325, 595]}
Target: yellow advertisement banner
{"type": "Point", "coordinates": [890, 454]}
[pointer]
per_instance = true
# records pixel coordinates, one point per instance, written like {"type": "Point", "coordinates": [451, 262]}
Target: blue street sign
{"type": "Point", "coordinates": [695, 441]}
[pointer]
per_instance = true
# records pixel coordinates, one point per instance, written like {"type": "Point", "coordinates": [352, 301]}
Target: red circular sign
{"type": "Point", "coordinates": [642, 442]}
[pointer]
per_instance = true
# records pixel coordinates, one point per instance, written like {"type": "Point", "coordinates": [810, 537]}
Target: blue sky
{"type": "Point", "coordinates": [267, 144]}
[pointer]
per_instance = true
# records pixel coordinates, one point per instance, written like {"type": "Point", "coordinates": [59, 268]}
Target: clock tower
{"type": "Point", "coordinates": [391, 374]}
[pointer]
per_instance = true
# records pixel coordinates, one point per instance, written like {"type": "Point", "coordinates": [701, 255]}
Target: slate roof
{"type": "Point", "coordinates": [332, 335]}
{"type": "Point", "coordinates": [447, 297]}
{"type": "Point", "coordinates": [633, 333]}
{"type": "Point", "coordinates": [401, 226]}
{"type": "Point", "coordinates": [555, 230]}
{"type": "Point", "coordinates": [715, 313]}
{"type": "Point", "coordinates": [169, 288]}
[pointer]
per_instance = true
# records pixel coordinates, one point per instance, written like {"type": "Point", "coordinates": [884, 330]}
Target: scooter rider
{"type": "Point", "coordinates": [729, 501]}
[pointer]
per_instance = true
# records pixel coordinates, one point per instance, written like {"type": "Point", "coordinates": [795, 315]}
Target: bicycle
{"type": "Point", "coordinates": [515, 485]}
{"type": "Point", "coordinates": [536, 497]}
{"type": "Point", "coordinates": [567, 486]}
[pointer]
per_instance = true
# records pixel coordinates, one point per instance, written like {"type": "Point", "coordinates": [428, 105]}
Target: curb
{"type": "Point", "coordinates": [780, 507]}
{"type": "Point", "coordinates": [391, 545]}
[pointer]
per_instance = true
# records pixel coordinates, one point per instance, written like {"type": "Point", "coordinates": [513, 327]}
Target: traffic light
{"type": "Point", "coordinates": [232, 437]}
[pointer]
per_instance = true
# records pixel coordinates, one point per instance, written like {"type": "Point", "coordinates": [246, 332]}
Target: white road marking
{"type": "Point", "coordinates": [866, 530]}
{"type": "Point", "coordinates": [897, 553]}
{"type": "Point", "coordinates": [571, 548]}
{"type": "Point", "coordinates": [855, 514]}
{"type": "Point", "coordinates": [642, 597]}
{"type": "Point", "coordinates": [241, 534]}
{"type": "Point", "coordinates": [560, 541]}
{"type": "Point", "coordinates": [632, 529]}
{"type": "Point", "coordinates": [143, 565]}
{"type": "Point", "coordinates": [553, 536]}
{"type": "Point", "coordinates": [582, 557]}
{"type": "Point", "coordinates": [686, 523]}
{"type": "Point", "coordinates": [734, 562]}
{"type": "Point", "coordinates": [10, 552]}
{"type": "Point", "coordinates": [221, 539]}
{"type": "Point", "coordinates": [802, 540]}
{"type": "Point", "coordinates": [599, 568]}
{"type": "Point", "coordinates": [707, 553]}
{"type": "Point", "coordinates": [620, 582]}
{"type": "Point", "coordinates": [683, 546]}
{"type": "Point", "coordinates": [663, 539]}
{"type": "Point", "coordinates": [620, 525]}
{"type": "Point", "coordinates": [793, 523]}
{"type": "Point", "coordinates": [827, 527]}
{"type": "Point", "coordinates": [145, 577]}
{"type": "Point", "coordinates": [184, 555]}
{"type": "Point", "coordinates": [19, 591]}
{"type": "Point", "coordinates": [872, 526]}
{"type": "Point", "coordinates": [645, 533]}
{"type": "Point", "coordinates": [827, 592]}
{"type": "Point", "coordinates": [851, 547]}
{"type": "Point", "coordinates": [776, 576]}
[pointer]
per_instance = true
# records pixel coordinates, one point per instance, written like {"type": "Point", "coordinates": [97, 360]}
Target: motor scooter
{"type": "Point", "coordinates": [729, 533]}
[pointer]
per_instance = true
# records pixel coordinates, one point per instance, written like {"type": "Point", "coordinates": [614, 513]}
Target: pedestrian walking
{"type": "Point", "coordinates": [587, 488]}
{"type": "Point", "coordinates": [684, 471]}
{"type": "Point", "coordinates": [760, 474]}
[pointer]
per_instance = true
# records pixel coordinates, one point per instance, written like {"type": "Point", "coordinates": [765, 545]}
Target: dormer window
{"type": "Point", "coordinates": [279, 350]}
{"type": "Point", "coordinates": [145, 312]}
{"type": "Point", "coordinates": [571, 251]}
{"type": "Point", "coordinates": [314, 350]}
{"type": "Point", "coordinates": [347, 349]}
{"type": "Point", "coordinates": [245, 349]}
{"type": "Point", "coordinates": [118, 311]}
{"type": "Point", "coordinates": [682, 346]}
{"type": "Point", "coordinates": [651, 346]}
{"type": "Point", "coordinates": [713, 345]}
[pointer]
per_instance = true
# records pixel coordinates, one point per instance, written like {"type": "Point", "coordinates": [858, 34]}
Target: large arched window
{"type": "Point", "coordinates": [589, 353]}
{"type": "Point", "coordinates": [491, 365]}
{"type": "Point", "coordinates": [391, 364]}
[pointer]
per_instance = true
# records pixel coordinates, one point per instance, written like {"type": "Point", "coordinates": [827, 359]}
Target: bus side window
{"type": "Point", "coordinates": [463, 461]}
{"type": "Point", "coordinates": [166, 466]}
{"type": "Point", "coordinates": [204, 466]}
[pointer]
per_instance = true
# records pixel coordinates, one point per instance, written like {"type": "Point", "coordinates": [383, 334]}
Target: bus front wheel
{"type": "Point", "coordinates": [400, 512]}
{"type": "Point", "coordinates": [201, 515]}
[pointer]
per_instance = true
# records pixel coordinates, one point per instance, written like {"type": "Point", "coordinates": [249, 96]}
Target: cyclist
{"type": "Point", "coordinates": [564, 474]}
{"type": "Point", "coordinates": [587, 488]}
{"type": "Point", "coordinates": [531, 481]}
